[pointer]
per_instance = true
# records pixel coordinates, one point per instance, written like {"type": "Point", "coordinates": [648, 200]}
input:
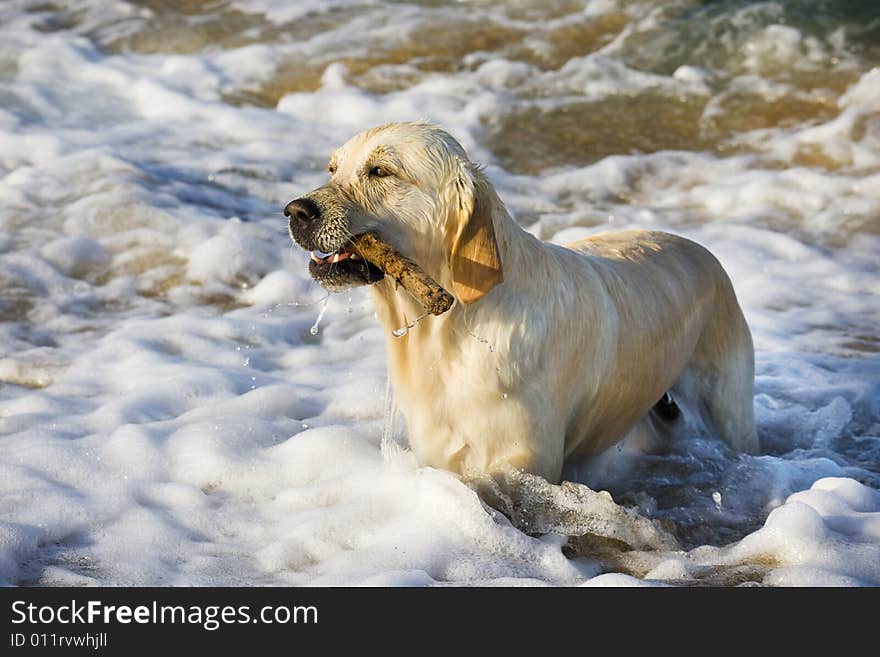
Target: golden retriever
{"type": "Point", "coordinates": [550, 351]}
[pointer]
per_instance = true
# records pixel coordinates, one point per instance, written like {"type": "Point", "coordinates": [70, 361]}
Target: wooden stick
{"type": "Point", "coordinates": [434, 298]}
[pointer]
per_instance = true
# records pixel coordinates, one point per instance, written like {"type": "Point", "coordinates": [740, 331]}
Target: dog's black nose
{"type": "Point", "coordinates": [302, 211]}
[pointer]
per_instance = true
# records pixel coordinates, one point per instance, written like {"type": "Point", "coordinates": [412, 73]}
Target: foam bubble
{"type": "Point", "coordinates": [77, 257]}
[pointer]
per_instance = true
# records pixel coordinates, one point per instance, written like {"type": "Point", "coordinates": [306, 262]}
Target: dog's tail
{"type": "Point", "coordinates": [666, 409]}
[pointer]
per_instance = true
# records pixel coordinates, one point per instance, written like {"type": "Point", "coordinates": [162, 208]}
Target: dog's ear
{"type": "Point", "coordinates": [473, 248]}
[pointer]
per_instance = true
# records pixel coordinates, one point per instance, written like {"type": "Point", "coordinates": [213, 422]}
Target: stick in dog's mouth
{"type": "Point", "coordinates": [366, 259]}
{"type": "Point", "coordinates": [429, 293]}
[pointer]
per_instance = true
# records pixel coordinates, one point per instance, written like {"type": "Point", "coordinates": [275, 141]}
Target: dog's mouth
{"type": "Point", "coordinates": [343, 269]}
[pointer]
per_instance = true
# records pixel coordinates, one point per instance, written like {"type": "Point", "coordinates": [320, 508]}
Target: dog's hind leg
{"type": "Point", "coordinates": [722, 375]}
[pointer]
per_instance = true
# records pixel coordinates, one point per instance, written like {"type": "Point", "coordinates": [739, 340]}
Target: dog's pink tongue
{"type": "Point", "coordinates": [331, 257]}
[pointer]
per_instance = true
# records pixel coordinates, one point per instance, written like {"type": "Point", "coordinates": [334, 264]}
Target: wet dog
{"type": "Point", "coordinates": [549, 352]}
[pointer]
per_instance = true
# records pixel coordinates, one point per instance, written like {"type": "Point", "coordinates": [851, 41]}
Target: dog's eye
{"type": "Point", "coordinates": [379, 172]}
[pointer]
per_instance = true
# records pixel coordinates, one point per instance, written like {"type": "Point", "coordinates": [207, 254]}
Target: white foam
{"type": "Point", "coordinates": [620, 580]}
{"type": "Point", "coordinates": [598, 76]}
{"type": "Point", "coordinates": [238, 254]}
{"type": "Point", "coordinates": [166, 416]}
{"type": "Point", "coordinates": [782, 46]}
{"type": "Point", "coordinates": [827, 535]}
{"type": "Point", "coordinates": [77, 256]}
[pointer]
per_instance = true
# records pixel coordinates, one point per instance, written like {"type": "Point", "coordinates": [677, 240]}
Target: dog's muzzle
{"type": "Point", "coordinates": [335, 263]}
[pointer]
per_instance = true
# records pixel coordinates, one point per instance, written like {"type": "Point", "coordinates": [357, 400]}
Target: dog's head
{"type": "Point", "coordinates": [413, 184]}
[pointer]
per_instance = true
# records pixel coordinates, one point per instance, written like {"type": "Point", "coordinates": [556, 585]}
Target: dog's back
{"type": "Point", "coordinates": [677, 320]}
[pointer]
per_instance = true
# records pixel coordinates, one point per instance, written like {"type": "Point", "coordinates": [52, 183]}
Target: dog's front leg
{"type": "Point", "coordinates": [536, 507]}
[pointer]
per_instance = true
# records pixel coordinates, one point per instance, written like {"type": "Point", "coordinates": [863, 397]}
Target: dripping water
{"type": "Point", "coordinates": [314, 329]}
{"type": "Point", "coordinates": [403, 330]}
{"type": "Point", "coordinates": [388, 446]}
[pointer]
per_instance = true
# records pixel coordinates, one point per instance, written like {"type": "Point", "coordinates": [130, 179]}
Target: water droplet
{"type": "Point", "coordinates": [314, 329]}
{"type": "Point", "coordinates": [403, 330]}
{"type": "Point", "coordinates": [716, 497]}
{"type": "Point", "coordinates": [484, 341]}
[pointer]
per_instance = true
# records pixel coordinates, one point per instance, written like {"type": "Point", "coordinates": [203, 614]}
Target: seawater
{"type": "Point", "coordinates": [147, 149]}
